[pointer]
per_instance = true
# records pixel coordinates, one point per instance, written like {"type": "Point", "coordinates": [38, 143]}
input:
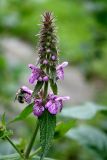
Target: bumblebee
{"type": "Point", "coordinates": [20, 96]}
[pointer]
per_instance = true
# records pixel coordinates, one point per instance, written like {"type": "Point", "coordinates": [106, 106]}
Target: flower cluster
{"type": "Point", "coordinates": [53, 104]}
{"type": "Point", "coordinates": [40, 75]}
{"type": "Point", "coordinates": [37, 74]}
{"type": "Point", "coordinates": [47, 71]}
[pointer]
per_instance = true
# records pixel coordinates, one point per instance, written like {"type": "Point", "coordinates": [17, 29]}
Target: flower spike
{"type": "Point", "coordinates": [46, 71]}
{"type": "Point", "coordinates": [44, 74]}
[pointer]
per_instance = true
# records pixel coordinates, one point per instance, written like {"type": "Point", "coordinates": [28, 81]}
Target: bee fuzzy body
{"type": "Point", "coordinates": [20, 96]}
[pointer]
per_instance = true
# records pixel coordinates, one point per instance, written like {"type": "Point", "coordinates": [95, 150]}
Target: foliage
{"type": "Point", "coordinates": [91, 138]}
{"type": "Point", "coordinates": [25, 113]}
{"type": "Point", "coordinates": [4, 133]}
{"type": "Point", "coordinates": [86, 111]}
{"type": "Point", "coordinates": [95, 141]}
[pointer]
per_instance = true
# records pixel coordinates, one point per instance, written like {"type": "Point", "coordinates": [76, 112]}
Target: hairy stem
{"type": "Point", "coordinates": [14, 146]}
{"type": "Point", "coordinates": [30, 145]}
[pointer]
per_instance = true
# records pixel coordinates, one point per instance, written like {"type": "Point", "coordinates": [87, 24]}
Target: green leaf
{"type": "Point", "coordinates": [3, 119]}
{"type": "Point", "coordinates": [24, 114]}
{"type": "Point", "coordinates": [16, 156]}
{"type": "Point", "coordinates": [47, 129]}
{"type": "Point", "coordinates": [38, 158]}
{"type": "Point", "coordinates": [63, 127]}
{"type": "Point", "coordinates": [53, 73]}
{"type": "Point", "coordinates": [54, 86]}
{"type": "Point", "coordinates": [4, 132]}
{"type": "Point", "coordinates": [86, 111]}
{"type": "Point", "coordinates": [90, 137]}
{"type": "Point", "coordinates": [10, 157]}
{"type": "Point", "coordinates": [37, 88]}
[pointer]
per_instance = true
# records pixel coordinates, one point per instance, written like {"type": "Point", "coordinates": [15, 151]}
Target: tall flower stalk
{"type": "Point", "coordinates": [45, 75]}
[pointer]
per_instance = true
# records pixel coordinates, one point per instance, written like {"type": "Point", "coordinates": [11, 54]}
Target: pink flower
{"type": "Point", "coordinates": [60, 70]}
{"type": "Point", "coordinates": [54, 103]}
{"type": "Point", "coordinates": [26, 89]}
{"type": "Point", "coordinates": [35, 73]}
{"type": "Point", "coordinates": [38, 107]}
{"type": "Point", "coordinates": [53, 57]}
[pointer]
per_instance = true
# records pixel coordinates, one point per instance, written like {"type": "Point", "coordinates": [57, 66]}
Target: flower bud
{"type": "Point", "coordinates": [53, 57]}
{"type": "Point", "coordinates": [45, 78]}
{"type": "Point", "coordinates": [45, 61]}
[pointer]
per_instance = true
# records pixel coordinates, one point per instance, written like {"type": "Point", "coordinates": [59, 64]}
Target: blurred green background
{"type": "Point", "coordinates": [82, 34]}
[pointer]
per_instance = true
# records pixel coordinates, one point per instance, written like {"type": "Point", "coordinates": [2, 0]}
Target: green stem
{"type": "Point", "coordinates": [35, 152]}
{"type": "Point", "coordinates": [14, 146]}
{"type": "Point", "coordinates": [45, 90]}
{"type": "Point", "coordinates": [28, 150]}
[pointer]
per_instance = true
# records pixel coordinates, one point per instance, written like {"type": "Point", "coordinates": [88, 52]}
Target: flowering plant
{"type": "Point", "coordinates": [44, 104]}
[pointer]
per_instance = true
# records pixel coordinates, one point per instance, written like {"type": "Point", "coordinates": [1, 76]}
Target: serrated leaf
{"type": "Point", "coordinates": [54, 86]}
{"type": "Point", "coordinates": [63, 127]}
{"type": "Point", "coordinates": [86, 111]}
{"type": "Point", "coordinates": [47, 129]}
{"type": "Point", "coordinates": [24, 114]}
{"type": "Point", "coordinates": [89, 136]}
{"type": "Point", "coordinates": [37, 88]}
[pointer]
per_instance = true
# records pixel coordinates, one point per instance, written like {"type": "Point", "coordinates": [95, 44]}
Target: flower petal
{"type": "Point", "coordinates": [26, 89]}
{"type": "Point", "coordinates": [53, 109]}
{"type": "Point", "coordinates": [32, 78]}
{"type": "Point", "coordinates": [62, 65]}
{"type": "Point", "coordinates": [62, 98]}
{"type": "Point", "coordinates": [31, 66]}
{"type": "Point", "coordinates": [38, 110]}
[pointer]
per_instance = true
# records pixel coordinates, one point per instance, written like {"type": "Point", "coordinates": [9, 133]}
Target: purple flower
{"type": "Point", "coordinates": [45, 61]}
{"type": "Point", "coordinates": [54, 103]}
{"type": "Point", "coordinates": [53, 106]}
{"type": "Point", "coordinates": [27, 98]}
{"type": "Point", "coordinates": [26, 89]}
{"type": "Point", "coordinates": [40, 79]}
{"type": "Point", "coordinates": [45, 78]}
{"type": "Point", "coordinates": [26, 92]}
{"type": "Point", "coordinates": [38, 107]}
{"type": "Point", "coordinates": [35, 73]}
{"type": "Point", "coordinates": [60, 70]}
{"type": "Point", "coordinates": [45, 73]}
{"type": "Point", "coordinates": [53, 57]}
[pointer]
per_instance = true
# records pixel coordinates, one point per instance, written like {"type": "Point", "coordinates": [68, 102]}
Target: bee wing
{"type": "Point", "coordinates": [17, 93]}
{"type": "Point", "coordinates": [15, 98]}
